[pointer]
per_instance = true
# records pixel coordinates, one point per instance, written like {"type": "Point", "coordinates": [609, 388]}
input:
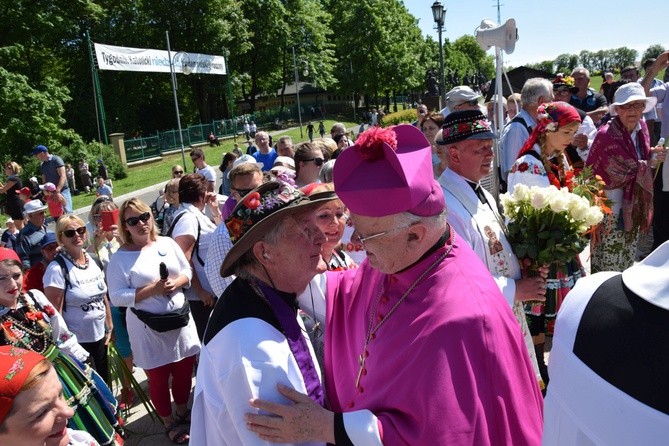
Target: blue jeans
{"type": "Point", "coordinates": [68, 200]}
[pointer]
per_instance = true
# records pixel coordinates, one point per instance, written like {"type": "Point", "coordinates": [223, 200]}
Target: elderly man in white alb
{"type": "Point", "coordinates": [473, 213]}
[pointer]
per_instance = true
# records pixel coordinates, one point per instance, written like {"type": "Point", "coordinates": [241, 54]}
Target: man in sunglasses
{"type": "Point", "coordinates": [243, 179]}
{"type": "Point", "coordinates": [30, 237]}
{"type": "Point", "coordinates": [461, 98]}
{"type": "Point", "coordinates": [201, 167]}
{"type": "Point", "coordinates": [265, 154]}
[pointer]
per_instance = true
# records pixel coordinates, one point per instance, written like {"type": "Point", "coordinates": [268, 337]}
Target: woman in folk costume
{"type": "Point", "coordinates": [29, 321]}
{"type": "Point", "coordinates": [29, 382]}
{"type": "Point", "coordinates": [542, 162]}
{"type": "Point", "coordinates": [621, 155]}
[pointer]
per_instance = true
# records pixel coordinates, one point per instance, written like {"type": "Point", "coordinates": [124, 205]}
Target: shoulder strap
{"type": "Point", "coordinates": [196, 248]}
{"type": "Point", "coordinates": [66, 275]}
{"type": "Point", "coordinates": [519, 119]}
{"type": "Point", "coordinates": [174, 223]}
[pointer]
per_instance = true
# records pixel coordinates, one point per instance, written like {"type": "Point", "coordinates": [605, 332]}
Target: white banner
{"type": "Point", "coordinates": [120, 58]}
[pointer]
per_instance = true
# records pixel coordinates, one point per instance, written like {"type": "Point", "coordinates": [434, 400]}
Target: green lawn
{"type": "Point", "coordinates": [146, 175]}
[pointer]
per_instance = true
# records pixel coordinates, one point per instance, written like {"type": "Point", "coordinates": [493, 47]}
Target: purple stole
{"type": "Point", "coordinates": [296, 341]}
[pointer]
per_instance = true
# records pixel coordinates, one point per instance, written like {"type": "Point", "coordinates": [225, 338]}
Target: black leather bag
{"type": "Point", "coordinates": [165, 322]}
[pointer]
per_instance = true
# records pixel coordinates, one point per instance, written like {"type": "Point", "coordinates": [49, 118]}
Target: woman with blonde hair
{"type": "Point", "coordinates": [13, 183]}
{"type": "Point", "coordinates": [147, 275]}
{"type": "Point", "coordinates": [177, 171]}
{"type": "Point", "coordinates": [75, 285]}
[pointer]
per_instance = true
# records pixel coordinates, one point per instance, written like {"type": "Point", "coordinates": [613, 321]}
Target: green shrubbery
{"type": "Point", "coordinates": [400, 117]}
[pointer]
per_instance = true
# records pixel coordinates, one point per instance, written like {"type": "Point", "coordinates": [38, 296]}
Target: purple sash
{"type": "Point", "coordinates": [298, 345]}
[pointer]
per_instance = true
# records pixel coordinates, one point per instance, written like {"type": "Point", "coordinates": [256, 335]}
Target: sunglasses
{"type": "Point", "coordinates": [69, 233]}
{"type": "Point", "coordinates": [317, 161]}
{"type": "Point", "coordinates": [178, 172]}
{"type": "Point", "coordinates": [242, 192]}
{"type": "Point", "coordinates": [132, 221]}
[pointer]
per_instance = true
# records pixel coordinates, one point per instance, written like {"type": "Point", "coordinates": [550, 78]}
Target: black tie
{"type": "Point", "coordinates": [479, 192]}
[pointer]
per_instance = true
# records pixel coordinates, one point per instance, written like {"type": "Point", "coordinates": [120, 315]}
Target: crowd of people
{"type": "Point", "coordinates": [354, 292]}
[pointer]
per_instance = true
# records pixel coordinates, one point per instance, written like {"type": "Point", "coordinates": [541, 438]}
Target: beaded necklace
{"type": "Point", "coordinates": [25, 332]}
{"type": "Point", "coordinates": [74, 262]}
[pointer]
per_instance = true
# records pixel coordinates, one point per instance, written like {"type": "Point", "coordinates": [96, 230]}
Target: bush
{"type": "Point", "coordinates": [400, 117]}
{"type": "Point", "coordinates": [91, 152]}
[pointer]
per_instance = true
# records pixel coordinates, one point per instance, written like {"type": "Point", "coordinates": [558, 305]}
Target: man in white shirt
{"type": "Point", "coordinates": [473, 213]}
{"type": "Point", "coordinates": [201, 167]}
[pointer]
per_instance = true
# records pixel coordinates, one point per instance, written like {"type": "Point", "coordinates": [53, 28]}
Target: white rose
{"type": "Point", "coordinates": [558, 203]}
{"type": "Point", "coordinates": [538, 197]}
{"type": "Point", "coordinates": [521, 192]}
{"type": "Point", "coordinates": [579, 210]}
{"type": "Point", "coordinates": [593, 216]}
{"type": "Point", "coordinates": [507, 202]}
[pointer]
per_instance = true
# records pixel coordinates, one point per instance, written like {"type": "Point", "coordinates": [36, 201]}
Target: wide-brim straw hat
{"type": "Point", "coordinates": [258, 213]}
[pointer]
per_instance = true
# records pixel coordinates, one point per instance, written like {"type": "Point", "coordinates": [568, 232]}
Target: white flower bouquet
{"type": "Point", "coordinates": [548, 225]}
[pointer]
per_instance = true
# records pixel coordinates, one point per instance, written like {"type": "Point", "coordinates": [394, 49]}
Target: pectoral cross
{"type": "Point", "coordinates": [361, 361]}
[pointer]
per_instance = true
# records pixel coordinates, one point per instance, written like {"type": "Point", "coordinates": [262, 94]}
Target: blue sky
{"type": "Point", "coordinates": [545, 31]}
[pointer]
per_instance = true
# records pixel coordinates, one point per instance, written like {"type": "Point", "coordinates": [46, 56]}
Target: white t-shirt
{"type": "Point", "coordinates": [187, 225]}
{"type": "Point", "coordinates": [84, 301]}
{"type": "Point", "coordinates": [208, 172]}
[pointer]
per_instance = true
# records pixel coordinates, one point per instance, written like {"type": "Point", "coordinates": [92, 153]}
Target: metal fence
{"type": "Point", "coordinates": [151, 146]}
{"type": "Point", "coordinates": [148, 147]}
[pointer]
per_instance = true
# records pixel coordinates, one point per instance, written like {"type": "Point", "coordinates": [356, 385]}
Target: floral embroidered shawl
{"type": "Point", "coordinates": [613, 156]}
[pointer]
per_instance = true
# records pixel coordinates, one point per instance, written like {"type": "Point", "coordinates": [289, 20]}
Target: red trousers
{"type": "Point", "coordinates": [159, 384]}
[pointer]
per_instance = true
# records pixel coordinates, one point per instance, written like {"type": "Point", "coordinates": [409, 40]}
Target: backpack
{"type": "Point", "coordinates": [158, 214]}
{"type": "Point", "coordinates": [196, 248]}
{"type": "Point", "coordinates": [60, 260]}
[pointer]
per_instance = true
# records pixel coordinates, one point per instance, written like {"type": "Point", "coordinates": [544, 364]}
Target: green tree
{"type": "Point", "coordinates": [310, 34]}
{"type": "Point", "coordinates": [378, 44]}
{"type": "Point", "coordinates": [565, 63]}
{"type": "Point", "coordinates": [31, 116]}
{"type": "Point", "coordinates": [652, 52]}
{"type": "Point", "coordinates": [546, 65]}
{"type": "Point", "coordinates": [623, 56]}
{"type": "Point", "coordinates": [585, 59]}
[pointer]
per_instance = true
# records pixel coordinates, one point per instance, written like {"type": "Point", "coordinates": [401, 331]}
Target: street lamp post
{"type": "Point", "coordinates": [438, 13]}
{"type": "Point", "coordinates": [297, 93]}
{"type": "Point", "coordinates": [176, 102]}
